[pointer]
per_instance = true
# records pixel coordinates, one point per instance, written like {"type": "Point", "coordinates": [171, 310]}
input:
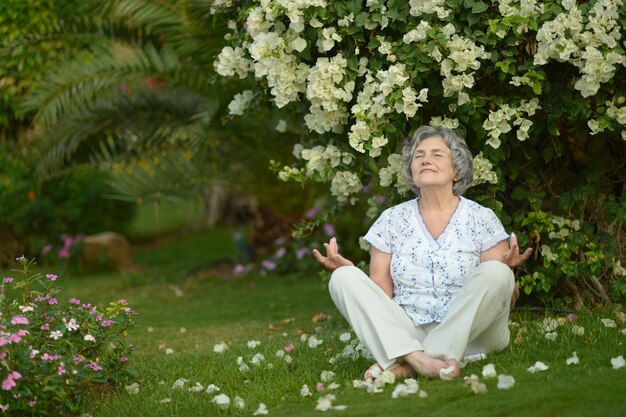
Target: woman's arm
{"type": "Point", "coordinates": [380, 272]}
{"type": "Point", "coordinates": [505, 254]}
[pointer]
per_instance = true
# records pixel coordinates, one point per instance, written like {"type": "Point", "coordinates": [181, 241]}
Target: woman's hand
{"type": "Point", "coordinates": [333, 259]}
{"type": "Point", "coordinates": [512, 257]}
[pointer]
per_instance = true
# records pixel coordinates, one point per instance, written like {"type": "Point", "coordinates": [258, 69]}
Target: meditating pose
{"type": "Point", "coordinates": [440, 286]}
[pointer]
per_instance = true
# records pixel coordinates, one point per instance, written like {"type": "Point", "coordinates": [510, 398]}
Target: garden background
{"type": "Point", "coordinates": [224, 140]}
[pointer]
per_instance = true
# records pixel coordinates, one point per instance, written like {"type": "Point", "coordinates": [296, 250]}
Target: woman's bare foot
{"type": "Point", "coordinates": [430, 367]}
{"type": "Point", "coordinates": [403, 370]}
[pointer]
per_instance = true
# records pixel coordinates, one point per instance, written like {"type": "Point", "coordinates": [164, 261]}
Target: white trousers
{"type": "Point", "coordinates": [476, 322]}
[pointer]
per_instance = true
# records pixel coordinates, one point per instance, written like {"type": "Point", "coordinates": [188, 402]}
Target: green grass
{"type": "Point", "coordinates": [181, 285]}
{"type": "Point", "coordinates": [154, 219]}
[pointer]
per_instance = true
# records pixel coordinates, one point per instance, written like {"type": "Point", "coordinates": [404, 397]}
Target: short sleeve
{"type": "Point", "coordinates": [378, 235]}
{"type": "Point", "coordinates": [493, 230]}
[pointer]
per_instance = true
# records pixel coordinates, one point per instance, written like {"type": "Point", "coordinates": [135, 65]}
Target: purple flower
{"type": "Point", "coordinates": [268, 265]}
{"type": "Point", "coordinates": [121, 301]}
{"type": "Point", "coordinates": [239, 269]}
{"type": "Point", "coordinates": [51, 277]}
{"type": "Point", "coordinates": [280, 241]}
{"type": "Point", "coordinates": [311, 213]}
{"type": "Point", "coordinates": [77, 359]}
{"type": "Point", "coordinates": [45, 326]}
{"type": "Point", "coordinates": [572, 317]}
{"type": "Point", "coordinates": [53, 301]}
{"type": "Point", "coordinates": [64, 253]}
{"type": "Point", "coordinates": [74, 301]}
{"type": "Point", "coordinates": [329, 229]}
{"type": "Point", "coordinates": [301, 252]}
{"type": "Point", "coordinates": [94, 366]}
{"type": "Point", "coordinates": [8, 280]}
{"type": "Point", "coordinates": [280, 253]}
{"type": "Point", "coordinates": [107, 323]}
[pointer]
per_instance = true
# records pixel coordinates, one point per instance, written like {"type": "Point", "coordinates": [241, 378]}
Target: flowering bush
{"type": "Point", "coordinates": [52, 350]}
{"type": "Point", "coordinates": [537, 89]}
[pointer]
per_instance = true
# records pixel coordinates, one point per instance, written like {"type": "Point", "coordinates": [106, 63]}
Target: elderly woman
{"type": "Point", "coordinates": [440, 285]}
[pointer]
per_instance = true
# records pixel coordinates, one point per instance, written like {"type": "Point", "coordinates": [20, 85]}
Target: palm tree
{"type": "Point", "coordinates": [143, 102]}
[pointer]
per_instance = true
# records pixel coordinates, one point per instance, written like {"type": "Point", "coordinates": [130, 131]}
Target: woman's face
{"type": "Point", "coordinates": [432, 166]}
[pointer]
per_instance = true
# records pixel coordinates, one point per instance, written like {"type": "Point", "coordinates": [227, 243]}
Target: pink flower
{"type": "Point", "coordinates": [8, 383]}
{"type": "Point", "coordinates": [94, 366]}
{"type": "Point", "coordinates": [46, 249]}
{"type": "Point", "coordinates": [8, 280]}
{"type": "Point", "coordinates": [312, 212]}
{"type": "Point", "coordinates": [74, 301]}
{"type": "Point", "coordinates": [15, 338]}
{"type": "Point", "coordinates": [319, 387]}
{"type": "Point", "coordinates": [121, 301]}
{"type": "Point", "coordinates": [239, 269]}
{"type": "Point", "coordinates": [100, 317]}
{"type": "Point", "coordinates": [271, 326]}
{"type": "Point", "coordinates": [107, 323]}
{"type": "Point", "coordinates": [15, 375]}
{"type": "Point", "coordinates": [19, 320]}
{"type": "Point", "coordinates": [572, 317]}
{"type": "Point", "coordinates": [61, 369]}
{"type": "Point", "coordinates": [288, 347]}
{"type": "Point", "coordinates": [51, 277]}
{"type": "Point", "coordinates": [123, 359]}
{"type": "Point", "coordinates": [77, 360]}
{"type": "Point", "coordinates": [45, 326]}
{"type": "Point", "coordinates": [52, 301]}
{"type": "Point", "coordinates": [22, 332]}
{"type": "Point", "coordinates": [64, 253]}
{"type": "Point", "coordinates": [3, 340]}
{"type": "Point", "coordinates": [47, 357]}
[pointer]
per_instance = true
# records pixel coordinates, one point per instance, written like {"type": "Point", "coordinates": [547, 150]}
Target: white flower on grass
{"type": "Point", "coordinates": [288, 359]}
{"type": "Point", "coordinates": [410, 386]}
{"type": "Point", "coordinates": [573, 360]}
{"type": "Point", "coordinates": [72, 325]}
{"type": "Point", "coordinates": [618, 362]}
{"type": "Point", "coordinates": [261, 411]}
{"type": "Point", "coordinates": [333, 386]}
{"type": "Point", "coordinates": [505, 381]}
{"type": "Point", "coordinates": [327, 376]}
{"type": "Point", "coordinates": [609, 323]}
{"type": "Point", "coordinates": [253, 343]}
{"type": "Point", "coordinates": [314, 342]}
{"type": "Point", "coordinates": [551, 335]}
{"type": "Point", "coordinates": [447, 374]}
{"type": "Point", "coordinates": [538, 367]}
{"type": "Point", "coordinates": [239, 403]}
{"type": "Point", "coordinates": [132, 388]}
{"type": "Point", "coordinates": [222, 401]}
{"type": "Point", "coordinates": [578, 330]}
{"type": "Point", "coordinates": [257, 359]}
{"type": "Point", "coordinates": [89, 338]}
{"type": "Point", "coordinates": [220, 347]}
{"type": "Point", "coordinates": [179, 383]}
{"type": "Point", "coordinates": [211, 389]}
{"type": "Point", "coordinates": [475, 385]}
{"type": "Point", "coordinates": [325, 403]}
{"type": "Point", "coordinates": [56, 334]}
{"type": "Point", "coordinates": [165, 401]}
{"type": "Point", "coordinates": [196, 388]}
{"type": "Point", "coordinates": [169, 351]}
{"type": "Point", "coordinates": [243, 367]}
{"type": "Point", "coordinates": [489, 371]}
{"type": "Point", "coordinates": [345, 337]}
{"type": "Point", "coordinates": [305, 391]}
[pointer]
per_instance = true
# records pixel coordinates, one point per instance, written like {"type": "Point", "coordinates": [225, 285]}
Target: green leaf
{"type": "Point", "coordinates": [479, 7]}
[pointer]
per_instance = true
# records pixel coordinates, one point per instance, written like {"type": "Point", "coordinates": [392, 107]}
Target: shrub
{"type": "Point", "coordinates": [537, 89]}
{"type": "Point", "coordinates": [52, 350]}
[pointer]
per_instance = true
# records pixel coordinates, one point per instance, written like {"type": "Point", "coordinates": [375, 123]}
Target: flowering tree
{"type": "Point", "coordinates": [537, 89]}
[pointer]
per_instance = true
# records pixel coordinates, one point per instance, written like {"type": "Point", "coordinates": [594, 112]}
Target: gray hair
{"type": "Point", "coordinates": [461, 156]}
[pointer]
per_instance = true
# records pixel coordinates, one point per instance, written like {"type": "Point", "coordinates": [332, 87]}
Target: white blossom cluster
{"type": "Point", "coordinates": [418, 34]}
{"type": "Point", "coordinates": [438, 121]}
{"type": "Point", "coordinates": [419, 7]}
{"type": "Point", "coordinates": [521, 8]}
{"type": "Point", "coordinates": [482, 170]}
{"type": "Point", "coordinates": [592, 47]}
{"type": "Point", "coordinates": [612, 112]}
{"type": "Point", "coordinates": [323, 160]}
{"type": "Point", "coordinates": [344, 184]}
{"type": "Point", "coordinates": [233, 61]}
{"type": "Point", "coordinates": [499, 121]}
{"type": "Point", "coordinates": [327, 96]}
{"type": "Point", "coordinates": [372, 106]}
{"type": "Point", "coordinates": [463, 56]}
{"type": "Point", "coordinates": [392, 174]}
{"type": "Point", "coordinates": [240, 102]}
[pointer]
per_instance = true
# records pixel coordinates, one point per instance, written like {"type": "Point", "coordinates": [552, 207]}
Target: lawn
{"type": "Point", "coordinates": [187, 303]}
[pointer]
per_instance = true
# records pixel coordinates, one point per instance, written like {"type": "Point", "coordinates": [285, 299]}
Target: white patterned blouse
{"type": "Point", "coordinates": [427, 273]}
